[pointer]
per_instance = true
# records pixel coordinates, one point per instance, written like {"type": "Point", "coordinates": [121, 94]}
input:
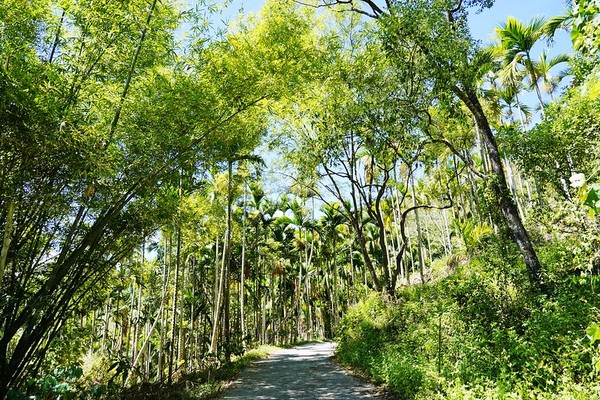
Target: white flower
{"type": "Point", "coordinates": [577, 180]}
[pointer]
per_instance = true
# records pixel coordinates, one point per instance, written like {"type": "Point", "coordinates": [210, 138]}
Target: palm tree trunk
{"type": "Point", "coordinates": [163, 314]}
{"type": "Point", "coordinates": [419, 235]}
{"type": "Point", "coordinates": [174, 308]}
{"type": "Point", "coordinates": [534, 80]}
{"type": "Point", "coordinates": [513, 187]}
{"type": "Point", "coordinates": [106, 325]}
{"type": "Point", "coordinates": [243, 270]}
{"type": "Point", "coordinates": [181, 353]}
{"type": "Point", "coordinates": [447, 231]}
{"type": "Point", "coordinates": [222, 294]}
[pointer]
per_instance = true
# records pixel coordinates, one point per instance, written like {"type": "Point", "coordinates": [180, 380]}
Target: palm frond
{"type": "Point", "coordinates": [555, 23]}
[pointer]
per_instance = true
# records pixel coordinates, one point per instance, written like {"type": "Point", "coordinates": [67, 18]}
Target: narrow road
{"type": "Point", "coordinates": [303, 372]}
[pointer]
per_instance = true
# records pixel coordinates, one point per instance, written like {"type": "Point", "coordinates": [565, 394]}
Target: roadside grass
{"type": "Point", "coordinates": [201, 386]}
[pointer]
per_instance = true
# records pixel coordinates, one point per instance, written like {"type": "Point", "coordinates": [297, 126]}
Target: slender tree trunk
{"type": "Point", "coordinates": [174, 308]}
{"type": "Point", "coordinates": [163, 316]}
{"type": "Point", "coordinates": [243, 271]}
{"type": "Point", "coordinates": [106, 325]}
{"type": "Point", "coordinates": [93, 330]}
{"type": "Point", "coordinates": [146, 344]}
{"type": "Point", "coordinates": [8, 227]}
{"type": "Point", "coordinates": [263, 307]}
{"type": "Point", "coordinates": [193, 333]}
{"type": "Point", "coordinates": [216, 286]}
{"type": "Point", "coordinates": [535, 182]}
{"type": "Point", "coordinates": [419, 234]}
{"type": "Point", "coordinates": [138, 318]}
{"type": "Point", "coordinates": [226, 296]}
{"type": "Point", "coordinates": [181, 353]}
{"type": "Point", "coordinates": [534, 79]}
{"type": "Point", "coordinates": [352, 269]}
{"type": "Point", "coordinates": [299, 299]}
{"type": "Point", "coordinates": [458, 188]}
{"type": "Point", "coordinates": [222, 298]}
{"type": "Point", "coordinates": [130, 72]}
{"type": "Point", "coordinates": [447, 231]}
{"type": "Point", "coordinates": [56, 40]}
{"type": "Point", "coordinates": [472, 191]}
{"type": "Point", "coordinates": [217, 306]}
{"type": "Point", "coordinates": [117, 333]}
{"type": "Point", "coordinates": [513, 187]}
{"type": "Point", "coordinates": [412, 262]}
{"type": "Point", "coordinates": [428, 237]}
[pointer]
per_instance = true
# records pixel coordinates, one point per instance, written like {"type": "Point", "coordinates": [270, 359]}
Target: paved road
{"type": "Point", "coordinates": [304, 372]}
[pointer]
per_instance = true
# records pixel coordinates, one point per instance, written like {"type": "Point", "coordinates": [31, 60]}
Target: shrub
{"type": "Point", "coordinates": [479, 333]}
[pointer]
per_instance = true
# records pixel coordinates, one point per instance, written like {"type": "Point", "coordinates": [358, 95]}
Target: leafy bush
{"type": "Point", "coordinates": [63, 383]}
{"type": "Point", "coordinates": [479, 333]}
{"type": "Point", "coordinates": [402, 374]}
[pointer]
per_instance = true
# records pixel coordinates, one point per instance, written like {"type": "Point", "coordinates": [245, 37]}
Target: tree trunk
{"type": "Point", "coordinates": [10, 209]}
{"type": "Point", "coordinates": [181, 353]}
{"type": "Point", "coordinates": [174, 308]}
{"type": "Point", "coordinates": [419, 235]}
{"type": "Point", "coordinates": [243, 271]}
{"type": "Point", "coordinates": [163, 317]}
{"type": "Point", "coordinates": [507, 205]}
{"type": "Point", "coordinates": [136, 54]}
{"type": "Point", "coordinates": [222, 293]}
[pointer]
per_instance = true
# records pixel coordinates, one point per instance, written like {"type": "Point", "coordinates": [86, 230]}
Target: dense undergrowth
{"type": "Point", "coordinates": [68, 383]}
{"type": "Point", "coordinates": [477, 334]}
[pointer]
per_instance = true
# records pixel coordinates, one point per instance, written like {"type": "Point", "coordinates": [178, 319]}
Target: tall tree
{"type": "Point", "coordinates": [437, 32]}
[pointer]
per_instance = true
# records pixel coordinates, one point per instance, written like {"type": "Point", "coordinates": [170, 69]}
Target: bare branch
{"type": "Point", "coordinates": [457, 8]}
{"type": "Point", "coordinates": [375, 13]}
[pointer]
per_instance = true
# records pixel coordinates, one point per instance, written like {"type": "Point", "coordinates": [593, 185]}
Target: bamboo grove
{"type": "Point", "coordinates": [142, 241]}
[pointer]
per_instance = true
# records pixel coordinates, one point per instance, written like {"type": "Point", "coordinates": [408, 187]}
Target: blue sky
{"type": "Point", "coordinates": [482, 24]}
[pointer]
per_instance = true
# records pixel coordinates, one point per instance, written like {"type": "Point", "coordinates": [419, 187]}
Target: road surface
{"type": "Point", "coordinates": [303, 372]}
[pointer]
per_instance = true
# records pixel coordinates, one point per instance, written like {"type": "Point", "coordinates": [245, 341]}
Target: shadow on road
{"type": "Point", "coordinates": [303, 372]}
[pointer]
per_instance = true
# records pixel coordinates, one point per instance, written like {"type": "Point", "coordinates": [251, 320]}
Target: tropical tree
{"type": "Point", "coordinates": [516, 42]}
{"type": "Point", "coordinates": [93, 135]}
{"type": "Point", "coordinates": [444, 47]}
{"type": "Point", "coordinates": [548, 82]}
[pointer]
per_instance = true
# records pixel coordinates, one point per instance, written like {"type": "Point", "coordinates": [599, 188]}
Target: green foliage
{"type": "Point", "coordinates": [566, 141]}
{"type": "Point", "coordinates": [402, 375]}
{"type": "Point", "coordinates": [64, 383]}
{"type": "Point", "coordinates": [588, 193]}
{"type": "Point", "coordinates": [585, 26]}
{"type": "Point", "coordinates": [114, 147]}
{"type": "Point", "coordinates": [479, 334]}
{"type": "Point", "coordinates": [473, 235]}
